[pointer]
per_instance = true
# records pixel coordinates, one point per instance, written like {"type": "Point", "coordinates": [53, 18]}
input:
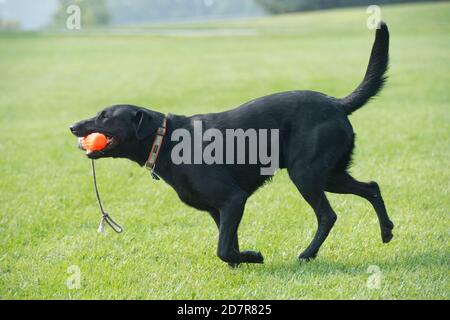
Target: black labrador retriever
{"type": "Point", "coordinates": [315, 144]}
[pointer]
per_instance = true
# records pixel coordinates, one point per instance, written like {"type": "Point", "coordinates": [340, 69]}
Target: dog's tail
{"type": "Point", "coordinates": [375, 75]}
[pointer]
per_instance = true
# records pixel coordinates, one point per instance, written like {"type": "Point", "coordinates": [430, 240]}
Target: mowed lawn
{"type": "Point", "coordinates": [48, 211]}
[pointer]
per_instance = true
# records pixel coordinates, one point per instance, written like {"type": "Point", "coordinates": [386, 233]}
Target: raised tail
{"type": "Point", "coordinates": [375, 75]}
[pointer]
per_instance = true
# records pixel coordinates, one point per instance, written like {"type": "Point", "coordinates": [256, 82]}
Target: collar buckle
{"type": "Point", "coordinates": [149, 166]}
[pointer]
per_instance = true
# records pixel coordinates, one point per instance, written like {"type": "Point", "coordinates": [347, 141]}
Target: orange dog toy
{"type": "Point", "coordinates": [94, 142]}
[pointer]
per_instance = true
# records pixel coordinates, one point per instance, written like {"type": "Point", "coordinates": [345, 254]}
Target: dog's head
{"type": "Point", "coordinates": [126, 127]}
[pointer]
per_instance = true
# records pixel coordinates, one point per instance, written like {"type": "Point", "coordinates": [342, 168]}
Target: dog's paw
{"type": "Point", "coordinates": [387, 237]}
{"type": "Point", "coordinates": [306, 257]}
{"type": "Point", "coordinates": [252, 256]}
{"type": "Point", "coordinates": [233, 265]}
{"type": "Point", "coordinates": [386, 232]}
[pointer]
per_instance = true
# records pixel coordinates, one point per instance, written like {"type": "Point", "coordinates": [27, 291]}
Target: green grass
{"type": "Point", "coordinates": [49, 215]}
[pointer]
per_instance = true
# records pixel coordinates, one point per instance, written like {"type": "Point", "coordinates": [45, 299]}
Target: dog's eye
{"type": "Point", "coordinates": [102, 115]}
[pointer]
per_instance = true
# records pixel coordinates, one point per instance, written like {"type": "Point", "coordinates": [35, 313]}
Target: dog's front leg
{"type": "Point", "coordinates": [215, 214]}
{"type": "Point", "coordinates": [216, 217]}
{"type": "Point", "coordinates": [230, 217]}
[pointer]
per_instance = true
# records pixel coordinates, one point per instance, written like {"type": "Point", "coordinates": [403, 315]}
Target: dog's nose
{"type": "Point", "coordinates": [72, 129]}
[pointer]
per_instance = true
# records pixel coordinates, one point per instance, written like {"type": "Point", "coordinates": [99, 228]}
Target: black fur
{"type": "Point", "coordinates": [316, 144]}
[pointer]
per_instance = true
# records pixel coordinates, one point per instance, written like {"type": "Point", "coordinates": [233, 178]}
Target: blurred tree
{"type": "Point", "coordinates": [93, 12]}
{"type": "Point", "coordinates": [9, 25]}
{"type": "Point", "coordinates": [281, 6]}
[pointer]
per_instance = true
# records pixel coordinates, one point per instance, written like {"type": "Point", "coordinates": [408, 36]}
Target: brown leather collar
{"type": "Point", "coordinates": [156, 146]}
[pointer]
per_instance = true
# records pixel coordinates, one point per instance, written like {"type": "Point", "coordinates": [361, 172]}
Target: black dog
{"type": "Point", "coordinates": [316, 141]}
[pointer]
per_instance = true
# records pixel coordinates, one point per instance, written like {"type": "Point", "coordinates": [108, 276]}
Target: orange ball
{"type": "Point", "coordinates": [94, 142]}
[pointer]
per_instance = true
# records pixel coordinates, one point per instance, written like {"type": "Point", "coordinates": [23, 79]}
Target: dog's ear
{"type": "Point", "coordinates": [143, 120]}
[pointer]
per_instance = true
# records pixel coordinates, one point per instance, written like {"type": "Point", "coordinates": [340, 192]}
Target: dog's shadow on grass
{"type": "Point", "coordinates": [323, 266]}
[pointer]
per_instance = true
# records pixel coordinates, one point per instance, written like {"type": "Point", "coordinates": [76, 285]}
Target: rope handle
{"type": "Point", "coordinates": [114, 225]}
{"type": "Point", "coordinates": [105, 216]}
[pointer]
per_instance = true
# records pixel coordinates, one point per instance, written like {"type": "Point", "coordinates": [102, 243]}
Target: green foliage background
{"type": "Point", "coordinates": [283, 6]}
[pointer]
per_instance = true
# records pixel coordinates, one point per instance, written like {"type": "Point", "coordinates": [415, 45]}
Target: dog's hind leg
{"type": "Point", "coordinates": [344, 183]}
{"type": "Point", "coordinates": [310, 184]}
{"type": "Point", "coordinates": [230, 217]}
{"type": "Point", "coordinates": [312, 157]}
